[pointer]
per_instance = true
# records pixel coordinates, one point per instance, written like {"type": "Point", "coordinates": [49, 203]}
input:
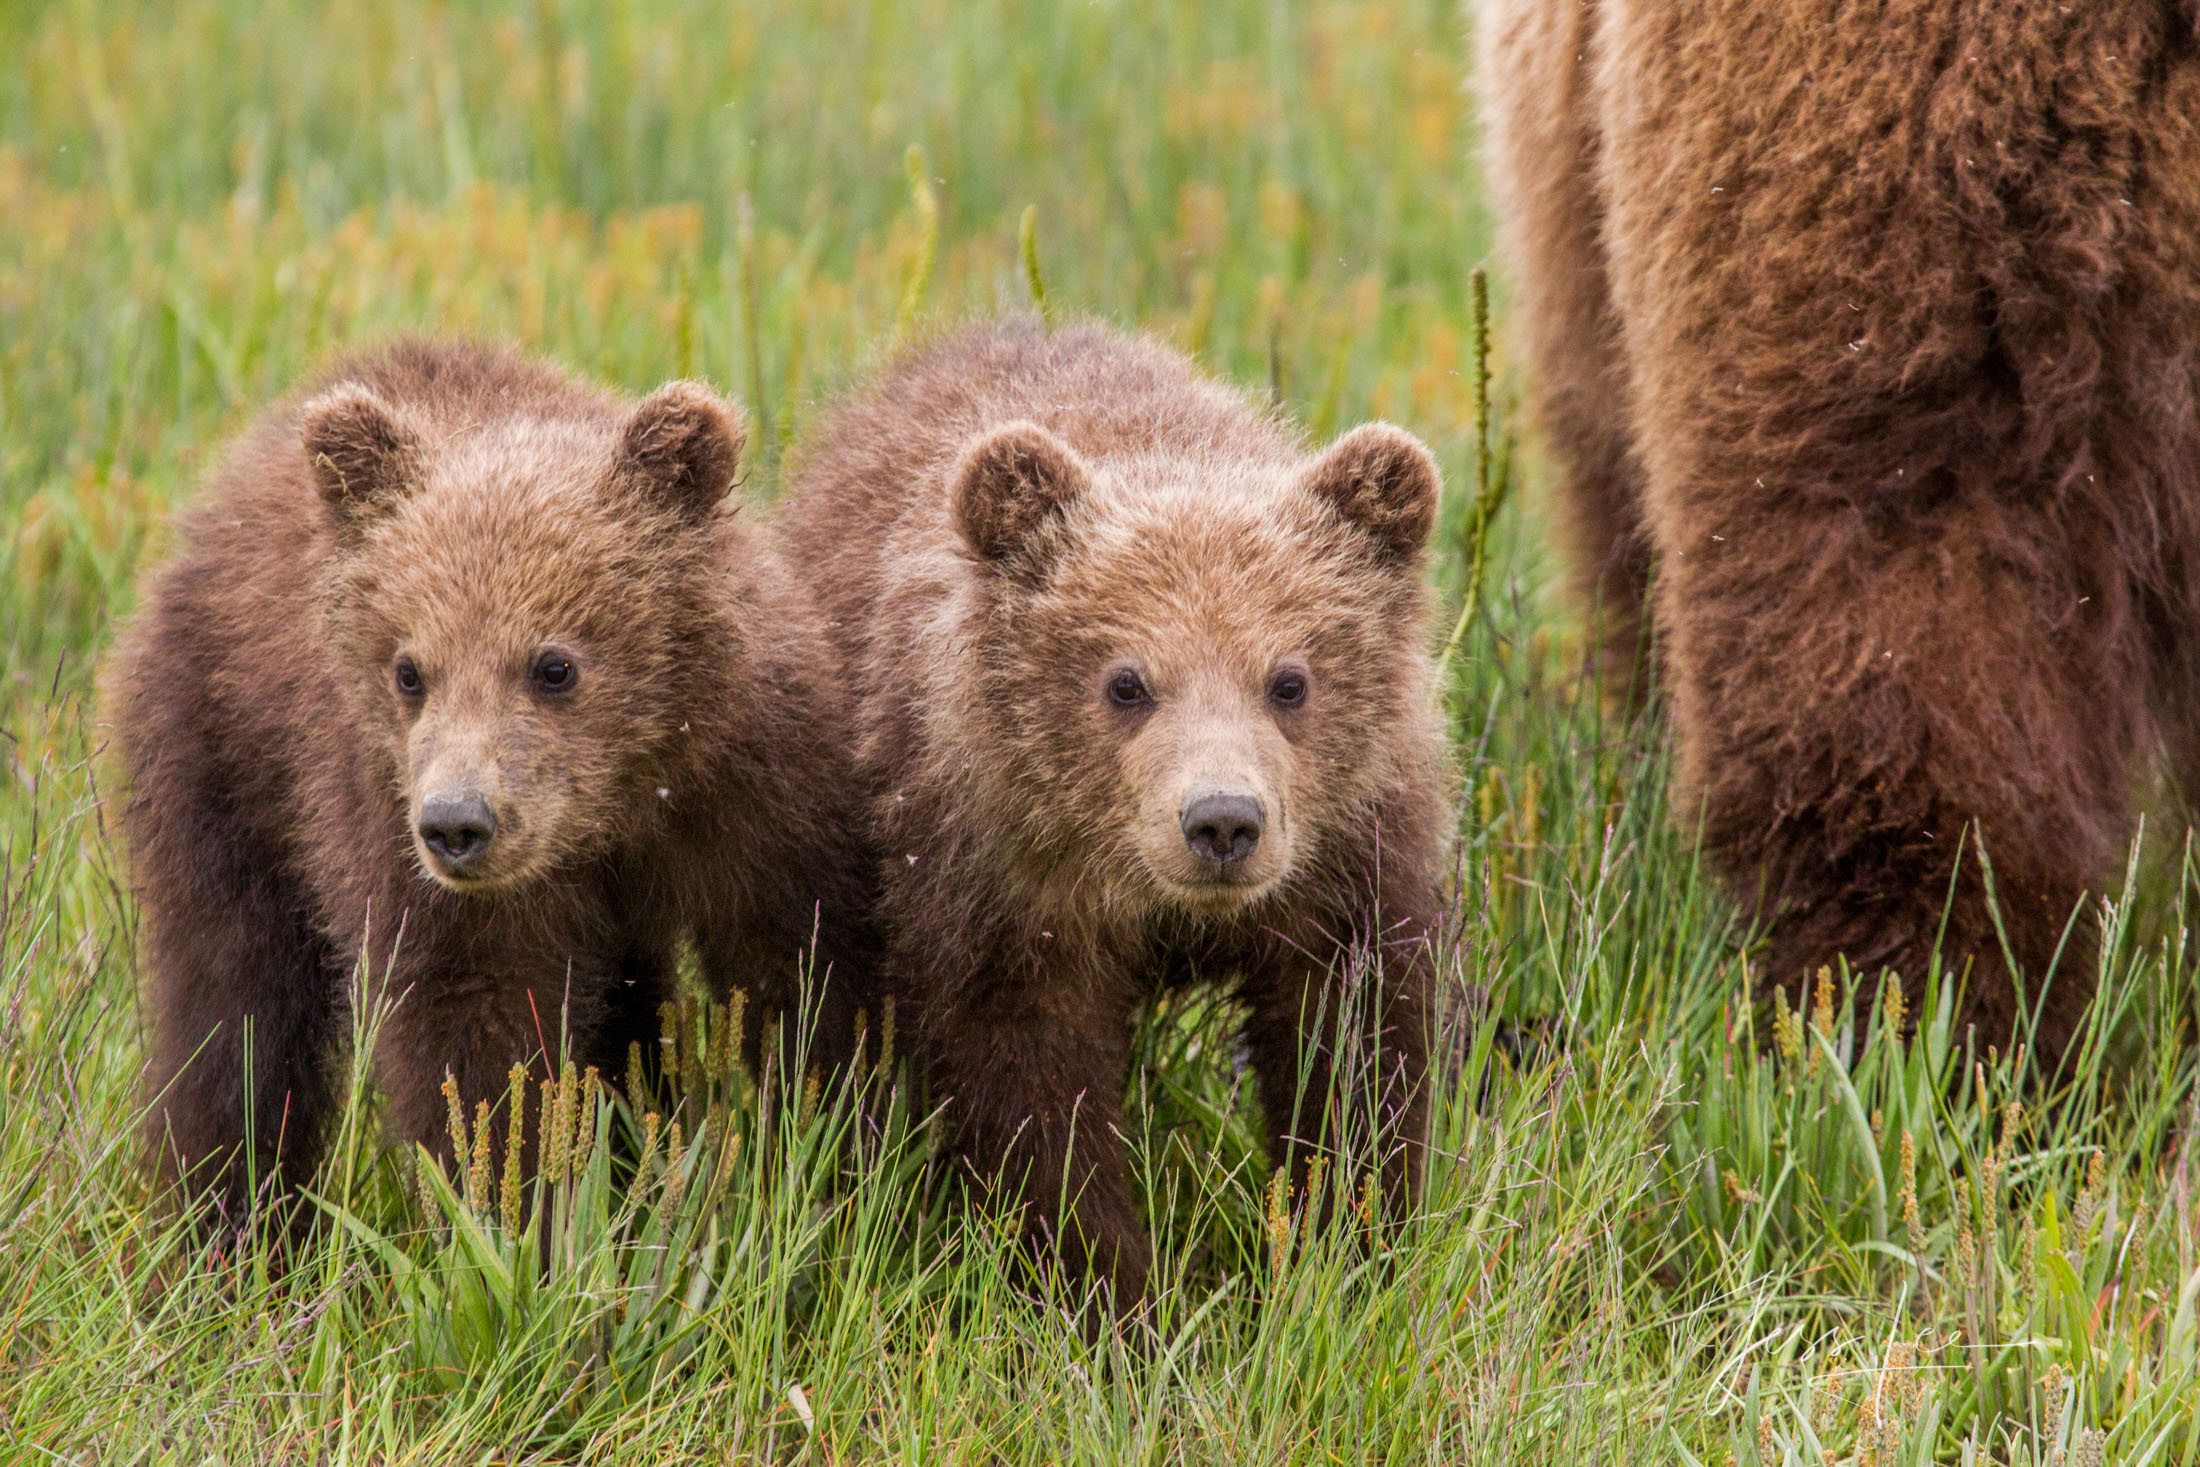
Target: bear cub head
{"type": "Point", "coordinates": [519, 605]}
{"type": "Point", "coordinates": [1201, 664]}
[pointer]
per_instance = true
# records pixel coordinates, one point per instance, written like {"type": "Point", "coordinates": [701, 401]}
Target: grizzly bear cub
{"type": "Point", "coordinates": [1878, 328]}
{"type": "Point", "coordinates": [1145, 694]}
{"type": "Point", "coordinates": [467, 677]}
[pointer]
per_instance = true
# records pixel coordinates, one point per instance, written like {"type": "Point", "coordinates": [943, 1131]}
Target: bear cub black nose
{"type": "Point", "coordinates": [1222, 829]}
{"type": "Point", "coordinates": [457, 829]}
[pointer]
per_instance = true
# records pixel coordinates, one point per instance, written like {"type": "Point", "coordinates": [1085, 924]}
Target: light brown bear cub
{"type": "Point", "coordinates": [467, 672]}
{"type": "Point", "coordinates": [1145, 693]}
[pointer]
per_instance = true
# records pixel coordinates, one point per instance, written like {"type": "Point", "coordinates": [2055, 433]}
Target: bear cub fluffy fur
{"type": "Point", "coordinates": [466, 675]}
{"type": "Point", "coordinates": [1145, 695]}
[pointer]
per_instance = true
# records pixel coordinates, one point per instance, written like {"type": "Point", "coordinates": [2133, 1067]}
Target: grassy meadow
{"type": "Point", "coordinates": [1665, 1223]}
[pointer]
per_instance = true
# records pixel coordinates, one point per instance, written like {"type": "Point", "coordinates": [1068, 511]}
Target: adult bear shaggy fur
{"type": "Point", "coordinates": [1145, 693]}
{"type": "Point", "coordinates": [469, 676]}
{"type": "Point", "coordinates": [1877, 329]}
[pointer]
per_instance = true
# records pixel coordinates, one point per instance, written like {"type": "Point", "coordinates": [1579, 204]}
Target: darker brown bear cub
{"type": "Point", "coordinates": [1145, 694]}
{"type": "Point", "coordinates": [467, 677]}
{"type": "Point", "coordinates": [1877, 327]}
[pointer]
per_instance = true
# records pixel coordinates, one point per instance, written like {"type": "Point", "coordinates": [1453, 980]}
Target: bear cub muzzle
{"type": "Point", "coordinates": [1218, 765]}
{"type": "Point", "coordinates": [454, 828]}
{"type": "Point", "coordinates": [1222, 830]}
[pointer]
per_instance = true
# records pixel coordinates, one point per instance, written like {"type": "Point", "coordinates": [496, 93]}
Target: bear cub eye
{"type": "Point", "coordinates": [554, 672]}
{"type": "Point", "coordinates": [1126, 689]}
{"type": "Point", "coordinates": [1287, 688]}
{"type": "Point", "coordinates": [409, 681]}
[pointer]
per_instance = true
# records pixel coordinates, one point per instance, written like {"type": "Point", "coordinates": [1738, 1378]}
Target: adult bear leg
{"type": "Point", "coordinates": [1885, 323]}
{"type": "Point", "coordinates": [1541, 159]}
{"type": "Point", "coordinates": [1856, 705]}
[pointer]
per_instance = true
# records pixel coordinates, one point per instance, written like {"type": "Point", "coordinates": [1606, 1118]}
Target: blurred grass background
{"type": "Point", "coordinates": [205, 200]}
{"type": "Point", "coordinates": [1668, 1225]}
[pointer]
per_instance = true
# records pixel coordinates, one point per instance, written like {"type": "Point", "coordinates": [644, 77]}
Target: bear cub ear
{"type": "Point", "coordinates": [682, 445]}
{"type": "Point", "coordinates": [360, 449]}
{"type": "Point", "coordinates": [1383, 482]}
{"type": "Point", "coordinates": [1009, 484]}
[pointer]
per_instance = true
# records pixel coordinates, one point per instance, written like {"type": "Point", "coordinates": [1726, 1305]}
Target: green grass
{"type": "Point", "coordinates": [1666, 1225]}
